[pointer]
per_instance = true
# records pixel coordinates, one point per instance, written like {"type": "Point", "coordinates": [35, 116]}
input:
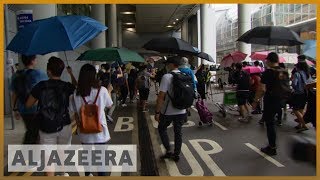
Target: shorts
{"type": "Point", "coordinates": [144, 94]}
{"type": "Point", "coordinates": [242, 97]}
{"type": "Point", "coordinates": [298, 101]}
{"type": "Point", "coordinates": [62, 137]}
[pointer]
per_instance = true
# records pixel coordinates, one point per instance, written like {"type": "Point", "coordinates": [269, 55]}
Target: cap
{"type": "Point", "coordinates": [174, 60]}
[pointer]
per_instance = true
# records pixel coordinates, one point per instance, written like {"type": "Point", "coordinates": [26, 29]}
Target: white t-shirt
{"type": "Point", "coordinates": [103, 101]}
{"type": "Point", "coordinates": [166, 86]}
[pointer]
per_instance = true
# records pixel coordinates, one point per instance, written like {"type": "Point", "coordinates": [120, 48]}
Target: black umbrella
{"type": "Point", "coordinates": [171, 46]}
{"type": "Point", "coordinates": [271, 35]}
{"type": "Point", "coordinates": [205, 56]}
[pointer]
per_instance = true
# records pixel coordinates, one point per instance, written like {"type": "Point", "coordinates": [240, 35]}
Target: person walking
{"type": "Point", "coordinates": [201, 79]}
{"type": "Point", "coordinates": [106, 80]}
{"type": "Point", "coordinates": [89, 91]}
{"type": "Point", "coordinates": [124, 87]}
{"type": "Point", "coordinates": [299, 98]}
{"type": "Point", "coordinates": [166, 113]}
{"type": "Point", "coordinates": [255, 80]}
{"type": "Point", "coordinates": [132, 82]}
{"type": "Point", "coordinates": [274, 87]}
{"type": "Point", "coordinates": [22, 83]}
{"type": "Point", "coordinates": [143, 85]}
{"type": "Point", "coordinates": [242, 79]}
{"type": "Point", "coordinates": [53, 102]}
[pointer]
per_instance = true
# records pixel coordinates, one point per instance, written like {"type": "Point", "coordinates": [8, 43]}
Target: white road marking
{"type": "Point", "coordinates": [205, 154]}
{"type": "Point", "coordinates": [220, 126]}
{"type": "Point", "coordinates": [275, 162]}
{"type": "Point", "coordinates": [191, 160]}
{"type": "Point", "coordinates": [214, 122]}
{"type": "Point", "coordinates": [121, 122]}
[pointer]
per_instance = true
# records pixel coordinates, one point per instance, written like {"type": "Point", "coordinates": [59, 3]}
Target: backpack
{"type": "Point", "coordinates": [53, 111]}
{"type": "Point", "coordinates": [281, 85]}
{"type": "Point", "coordinates": [143, 82]}
{"type": "Point", "coordinates": [183, 92]}
{"type": "Point", "coordinates": [22, 84]}
{"type": "Point", "coordinates": [89, 117]}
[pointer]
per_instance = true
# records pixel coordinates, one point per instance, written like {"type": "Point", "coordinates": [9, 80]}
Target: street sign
{"type": "Point", "coordinates": [24, 17]}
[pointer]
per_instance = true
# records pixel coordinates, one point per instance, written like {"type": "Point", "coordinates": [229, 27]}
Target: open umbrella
{"type": "Point", "coordinates": [310, 49]}
{"type": "Point", "coordinates": [120, 55]}
{"type": "Point", "coordinates": [263, 55]}
{"type": "Point", "coordinates": [205, 56]}
{"type": "Point", "coordinates": [234, 57]}
{"type": "Point", "coordinates": [252, 69]}
{"type": "Point", "coordinates": [171, 45]}
{"type": "Point", "coordinates": [271, 35]}
{"type": "Point", "coordinates": [58, 33]}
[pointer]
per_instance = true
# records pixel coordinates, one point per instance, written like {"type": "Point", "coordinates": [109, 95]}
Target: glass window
{"type": "Point", "coordinates": [285, 8]}
{"type": "Point", "coordinates": [269, 9]}
{"type": "Point", "coordinates": [291, 8]}
{"type": "Point", "coordinates": [312, 8]}
{"type": "Point", "coordinates": [297, 8]}
{"type": "Point", "coordinates": [279, 19]}
{"type": "Point", "coordinates": [305, 17]}
{"type": "Point", "coordinates": [305, 8]}
{"type": "Point", "coordinates": [291, 18]}
{"type": "Point", "coordinates": [285, 19]}
{"type": "Point", "coordinates": [297, 18]}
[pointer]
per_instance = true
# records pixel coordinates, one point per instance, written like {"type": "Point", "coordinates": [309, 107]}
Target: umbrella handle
{"type": "Point", "coordinates": [65, 54]}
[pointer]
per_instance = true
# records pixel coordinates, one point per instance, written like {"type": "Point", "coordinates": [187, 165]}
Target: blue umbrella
{"type": "Point", "coordinates": [309, 48]}
{"type": "Point", "coordinates": [58, 33]}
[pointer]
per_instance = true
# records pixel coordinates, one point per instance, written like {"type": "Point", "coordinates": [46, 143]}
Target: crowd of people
{"type": "Point", "coordinates": [45, 102]}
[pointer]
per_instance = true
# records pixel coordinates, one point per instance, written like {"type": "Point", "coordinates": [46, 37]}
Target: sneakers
{"type": "Point", "coordinates": [279, 123]}
{"type": "Point", "coordinates": [170, 155]}
{"type": "Point", "coordinates": [245, 120]}
{"type": "Point", "coordinates": [256, 112]}
{"type": "Point", "coordinates": [269, 151]}
{"type": "Point", "coordinates": [124, 105]}
{"type": "Point", "coordinates": [166, 156]}
{"type": "Point", "coordinates": [65, 174]}
{"type": "Point", "coordinates": [145, 110]}
{"type": "Point", "coordinates": [301, 129]}
{"type": "Point", "coordinates": [261, 122]}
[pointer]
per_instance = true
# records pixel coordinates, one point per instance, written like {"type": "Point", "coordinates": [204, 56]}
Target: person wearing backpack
{"type": "Point", "coordinates": [175, 96]}
{"type": "Point", "coordinates": [89, 103]}
{"type": "Point", "coordinates": [242, 79]}
{"type": "Point", "coordinates": [143, 85]}
{"type": "Point", "coordinates": [299, 97]}
{"type": "Point", "coordinates": [53, 106]}
{"type": "Point", "coordinates": [22, 83]}
{"type": "Point", "coordinates": [274, 88]}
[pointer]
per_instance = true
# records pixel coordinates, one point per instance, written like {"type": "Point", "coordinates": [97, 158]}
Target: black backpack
{"type": "Point", "coordinates": [22, 85]}
{"type": "Point", "coordinates": [182, 89]}
{"type": "Point", "coordinates": [280, 87]}
{"type": "Point", "coordinates": [53, 108]}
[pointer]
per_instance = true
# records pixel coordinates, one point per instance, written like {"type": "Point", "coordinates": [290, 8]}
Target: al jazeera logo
{"type": "Point", "coordinates": [72, 158]}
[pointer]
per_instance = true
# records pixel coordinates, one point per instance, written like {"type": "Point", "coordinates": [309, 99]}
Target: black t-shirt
{"type": "Point", "coordinates": [267, 78]}
{"type": "Point", "coordinates": [68, 88]}
{"type": "Point", "coordinates": [242, 79]}
{"type": "Point", "coordinates": [105, 79]}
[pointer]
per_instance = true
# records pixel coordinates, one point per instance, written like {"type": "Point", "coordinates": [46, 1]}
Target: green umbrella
{"type": "Point", "coordinates": [111, 55]}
